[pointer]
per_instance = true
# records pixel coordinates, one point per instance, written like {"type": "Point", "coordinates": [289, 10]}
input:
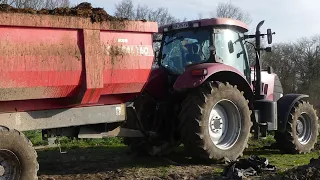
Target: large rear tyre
{"type": "Point", "coordinates": [18, 159]}
{"type": "Point", "coordinates": [301, 133]}
{"type": "Point", "coordinates": [215, 122]}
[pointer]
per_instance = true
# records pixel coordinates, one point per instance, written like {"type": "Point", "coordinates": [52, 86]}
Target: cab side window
{"type": "Point", "coordinates": [237, 58]}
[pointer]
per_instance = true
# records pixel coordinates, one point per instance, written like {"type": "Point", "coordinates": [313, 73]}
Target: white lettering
{"type": "Point", "coordinates": [180, 25]}
{"type": "Point", "coordinates": [122, 40]}
{"type": "Point", "coordinates": [128, 50]}
{"type": "Point", "coordinates": [144, 51]}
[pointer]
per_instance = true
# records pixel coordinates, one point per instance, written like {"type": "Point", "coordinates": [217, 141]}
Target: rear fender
{"type": "Point", "coordinates": [215, 72]}
{"type": "Point", "coordinates": [284, 106]}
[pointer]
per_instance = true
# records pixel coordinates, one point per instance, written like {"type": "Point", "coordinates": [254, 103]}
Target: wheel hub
{"type": "Point", "coordinates": [299, 127]}
{"type": "Point", "coordinates": [9, 165]}
{"type": "Point", "coordinates": [224, 124]}
{"type": "Point", "coordinates": [303, 128]}
{"type": "Point", "coordinates": [216, 124]}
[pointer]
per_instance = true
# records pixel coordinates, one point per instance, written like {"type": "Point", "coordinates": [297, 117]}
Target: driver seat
{"type": "Point", "coordinates": [193, 55]}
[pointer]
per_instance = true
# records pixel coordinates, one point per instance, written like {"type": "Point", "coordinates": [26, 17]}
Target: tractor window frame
{"type": "Point", "coordinates": [231, 59]}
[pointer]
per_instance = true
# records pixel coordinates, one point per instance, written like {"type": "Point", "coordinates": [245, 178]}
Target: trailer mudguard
{"type": "Point", "coordinates": [284, 106]}
{"type": "Point", "coordinates": [215, 72]}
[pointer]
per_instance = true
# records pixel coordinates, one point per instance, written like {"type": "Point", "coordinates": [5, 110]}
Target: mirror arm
{"type": "Point", "coordinates": [249, 36]}
{"type": "Point", "coordinates": [267, 49]}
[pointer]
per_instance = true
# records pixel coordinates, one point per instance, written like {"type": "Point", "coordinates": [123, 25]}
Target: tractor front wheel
{"type": "Point", "coordinates": [301, 132]}
{"type": "Point", "coordinates": [215, 122]}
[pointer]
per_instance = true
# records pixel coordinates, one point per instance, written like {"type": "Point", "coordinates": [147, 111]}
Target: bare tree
{"type": "Point", "coordinates": [6, 2]}
{"type": "Point", "coordinates": [161, 15]}
{"type": "Point", "coordinates": [51, 4]}
{"type": "Point", "coordinates": [200, 15]}
{"type": "Point", "coordinates": [142, 12]}
{"type": "Point", "coordinates": [37, 4]}
{"type": "Point", "coordinates": [126, 9]}
{"type": "Point", "coordinates": [228, 10]}
{"type": "Point", "coordinates": [297, 65]}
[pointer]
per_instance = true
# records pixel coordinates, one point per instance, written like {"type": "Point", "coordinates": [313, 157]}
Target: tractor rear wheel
{"type": "Point", "coordinates": [215, 122]}
{"type": "Point", "coordinates": [301, 133]}
{"type": "Point", "coordinates": [18, 159]}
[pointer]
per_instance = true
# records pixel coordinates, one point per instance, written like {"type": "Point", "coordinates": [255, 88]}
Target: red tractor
{"type": "Point", "coordinates": [204, 94]}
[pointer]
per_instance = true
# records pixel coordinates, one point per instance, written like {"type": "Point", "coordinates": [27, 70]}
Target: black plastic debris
{"type": "Point", "coordinates": [252, 166]}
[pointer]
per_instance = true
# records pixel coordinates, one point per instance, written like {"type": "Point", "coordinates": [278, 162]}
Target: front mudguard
{"type": "Point", "coordinates": [215, 72]}
{"type": "Point", "coordinates": [284, 106]}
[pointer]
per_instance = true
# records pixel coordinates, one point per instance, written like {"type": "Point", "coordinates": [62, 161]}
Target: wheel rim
{"type": "Point", "coordinates": [303, 128]}
{"type": "Point", "coordinates": [224, 124]}
{"type": "Point", "coordinates": [9, 165]}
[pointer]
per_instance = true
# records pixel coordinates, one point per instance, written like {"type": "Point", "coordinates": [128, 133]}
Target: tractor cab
{"type": "Point", "coordinates": [204, 41]}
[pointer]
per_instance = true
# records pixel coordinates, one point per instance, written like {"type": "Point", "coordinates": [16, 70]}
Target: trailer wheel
{"type": "Point", "coordinates": [18, 159]}
{"type": "Point", "coordinates": [215, 122]}
{"type": "Point", "coordinates": [301, 131]}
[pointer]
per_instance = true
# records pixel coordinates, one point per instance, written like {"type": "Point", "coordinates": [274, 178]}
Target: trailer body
{"type": "Point", "coordinates": [61, 71]}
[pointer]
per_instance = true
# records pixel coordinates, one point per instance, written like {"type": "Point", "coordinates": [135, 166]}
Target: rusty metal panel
{"type": "Point", "coordinates": [49, 119]}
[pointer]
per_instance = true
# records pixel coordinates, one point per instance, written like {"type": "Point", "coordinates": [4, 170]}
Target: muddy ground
{"type": "Point", "coordinates": [306, 172]}
{"type": "Point", "coordinates": [102, 163]}
{"type": "Point", "coordinates": [117, 163]}
{"type": "Point", "coordinates": [82, 10]}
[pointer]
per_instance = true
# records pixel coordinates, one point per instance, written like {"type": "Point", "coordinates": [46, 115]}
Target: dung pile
{"type": "Point", "coordinates": [82, 10]}
{"type": "Point", "coordinates": [306, 172]}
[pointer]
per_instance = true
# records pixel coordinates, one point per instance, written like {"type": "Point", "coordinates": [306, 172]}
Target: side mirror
{"type": "Point", "coordinates": [269, 35]}
{"type": "Point", "coordinates": [270, 70]}
{"type": "Point", "coordinates": [230, 47]}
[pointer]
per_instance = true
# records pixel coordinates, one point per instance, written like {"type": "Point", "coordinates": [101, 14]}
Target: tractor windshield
{"type": "Point", "coordinates": [181, 48]}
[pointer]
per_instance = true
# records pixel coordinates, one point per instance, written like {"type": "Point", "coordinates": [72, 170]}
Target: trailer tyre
{"type": "Point", "coordinates": [215, 122]}
{"type": "Point", "coordinates": [18, 159]}
{"type": "Point", "coordinates": [301, 133]}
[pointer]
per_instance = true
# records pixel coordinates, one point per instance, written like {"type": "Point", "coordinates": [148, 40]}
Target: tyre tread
{"type": "Point", "coordinates": [285, 140]}
{"type": "Point", "coordinates": [29, 147]}
{"type": "Point", "coordinates": [191, 134]}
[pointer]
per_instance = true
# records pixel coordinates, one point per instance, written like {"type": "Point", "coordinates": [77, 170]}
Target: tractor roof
{"type": "Point", "coordinates": [206, 22]}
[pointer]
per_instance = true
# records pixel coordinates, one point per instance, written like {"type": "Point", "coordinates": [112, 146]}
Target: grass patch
{"type": "Point", "coordinates": [68, 143]}
{"type": "Point", "coordinates": [267, 141]}
{"type": "Point", "coordinates": [286, 161]}
{"type": "Point", "coordinates": [282, 161]}
{"type": "Point", "coordinates": [36, 138]}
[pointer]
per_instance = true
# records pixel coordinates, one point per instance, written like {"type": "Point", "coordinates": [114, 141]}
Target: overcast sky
{"type": "Point", "coordinates": [290, 19]}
